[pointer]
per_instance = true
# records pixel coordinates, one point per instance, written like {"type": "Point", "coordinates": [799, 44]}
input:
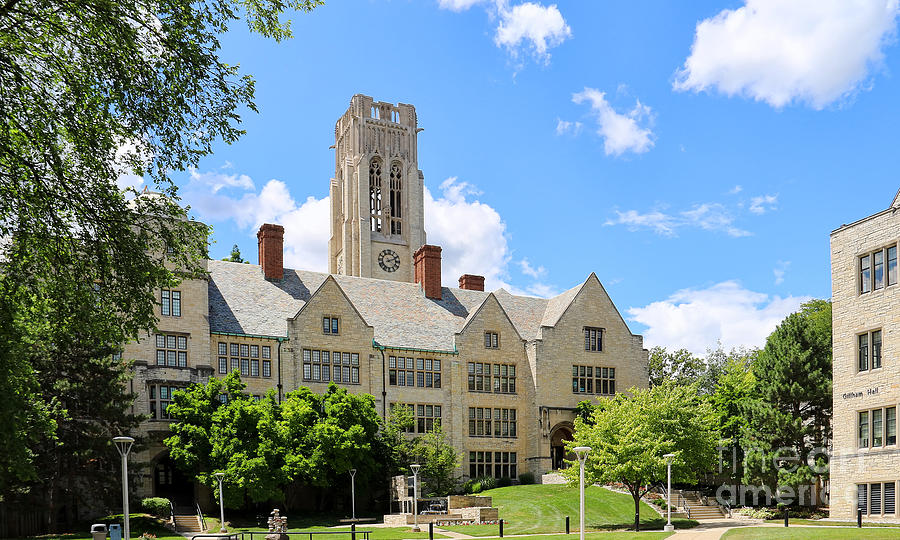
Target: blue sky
{"type": "Point", "coordinates": [695, 155]}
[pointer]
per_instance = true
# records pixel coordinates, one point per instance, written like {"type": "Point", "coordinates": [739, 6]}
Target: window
{"type": "Point", "coordinates": [484, 423]}
{"type": "Point", "coordinates": [375, 210]}
{"type": "Point", "coordinates": [878, 269]}
{"type": "Point", "coordinates": [325, 366]}
{"type": "Point", "coordinates": [593, 339]}
{"type": "Point", "coordinates": [863, 354]}
{"type": "Point", "coordinates": [865, 274]}
{"type": "Point", "coordinates": [171, 350]}
{"type": "Point", "coordinates": [409, 371]}
{"type": "Point", "coordinates": [593, 380]}
{"type": "Point", "coordinates": [496, 464]}
{"type": "Point", "coordinates": [892, 265]}
{"type": "Point", "coordinates": [330, 325]}
{"type": "Point", "coordinates": [496, 378]}
{"type": "Point", "coordinates": [890, 498]}
{"type": "Point", "coordinates": [396, 201]}
{"type": "Point", "coordinates": [491, 340]}
{"type": "Point", "coordinates": [876, 498]}
{"type": "Point", "coordinates": [877, 427]}
{"type": "Point", "coordinates": [245, 358]}
{"type": "Point", "coordinates": [426, 416]}
{"type": "Point", "coordinates": [869, 346]}
{"type": "Point", "coordinates": [160, 398]}
{"type": "Point", "coordinates": [890, 425]}
{"type": "Point", "coordinates": [170, 303]}
{"type": "Point", "coordinates": [863, 429]}
{"type": "Point", "coordinates": [876, 349]}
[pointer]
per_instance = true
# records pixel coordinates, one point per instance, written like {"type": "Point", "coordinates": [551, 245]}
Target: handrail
{"type": "Point", "coordinates": [200, 513]}
{"type": "Point", "coordinates": [352, 532]}
{"type": "Point", "coordinates": [682, 502]}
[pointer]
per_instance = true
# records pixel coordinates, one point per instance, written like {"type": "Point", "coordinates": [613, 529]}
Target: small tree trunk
{"type": "Point", "coordinates": [637, 510]}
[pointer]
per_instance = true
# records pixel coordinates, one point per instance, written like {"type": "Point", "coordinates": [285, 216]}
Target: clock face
{"type": "Point", "coordinates": [388, 260]}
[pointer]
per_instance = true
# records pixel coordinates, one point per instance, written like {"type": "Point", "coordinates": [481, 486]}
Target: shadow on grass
{"type": "Point", "coordinates": [655, 524]}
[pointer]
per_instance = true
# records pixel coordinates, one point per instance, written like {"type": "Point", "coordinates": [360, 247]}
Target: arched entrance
{"type": "Point", "coordinates": [560, 433]}
{"type": "Point", "coordinates": [171, 483]}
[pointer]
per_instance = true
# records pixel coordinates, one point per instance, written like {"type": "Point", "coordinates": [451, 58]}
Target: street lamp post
{"type": "Point", "coordinates": [415, 469]}
{"type": "Point", "coordinates": [581, 452]}
{"type": "Point", "coordinates": [669, 526]}
{"type": "Point", "coordinates": [353, 493]}
{"type": "Point", "coordinates": [220, 476]}
{"type": "Point", "coordinates": [123, 445]}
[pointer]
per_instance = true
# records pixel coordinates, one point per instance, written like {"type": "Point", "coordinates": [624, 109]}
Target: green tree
{"type": "Point", "coordinates": [679, 367]}
{"type": "Point", "coordinates": [631, 434]}
{"type": "Point", "coordinates": [439, 461]}
{"type": "Point", "coordinates": [235, 255]}
{"type": "Point", "coordinates": [729, 401]}
{"type": "Point", "coordinates": [91, 91]}
{"type": "Point", "coordinates": [267, 449]}
{"type": "Point", "coordinates": [397, 447]}
{"type": "Point", "coordinates": [790, 413]}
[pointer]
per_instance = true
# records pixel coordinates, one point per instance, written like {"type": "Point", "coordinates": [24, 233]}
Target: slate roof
{"type": "Point", "coordinates": [241, 301]}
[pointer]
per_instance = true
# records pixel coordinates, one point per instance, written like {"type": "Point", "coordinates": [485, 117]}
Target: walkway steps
{"type": "Point", "coordinates": [189, 523]}
{"type": "Point", "coordinates": [698, 510]}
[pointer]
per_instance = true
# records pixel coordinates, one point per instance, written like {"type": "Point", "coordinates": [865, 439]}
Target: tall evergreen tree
{"type": "Point", "coordinates": [790, 412]}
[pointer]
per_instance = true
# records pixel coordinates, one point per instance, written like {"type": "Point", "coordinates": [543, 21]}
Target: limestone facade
{"type": "Point", "coordinates": [865, 463]}
{"type": "Point", "coordinates": [501, 373]}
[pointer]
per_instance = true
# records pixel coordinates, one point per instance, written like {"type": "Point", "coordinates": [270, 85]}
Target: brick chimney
{"type": "Point", "coordinates": [427, 260]}
{"type": "Point", "coordinates": [471, 282]}
{"type": "Point", "coordinates": [271, 250]}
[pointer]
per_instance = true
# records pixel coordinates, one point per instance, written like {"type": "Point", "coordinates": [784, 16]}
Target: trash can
{"type": "Point", "coordinates": [115, 531]}
{"type": "Point", "coordinates": [98, 531]}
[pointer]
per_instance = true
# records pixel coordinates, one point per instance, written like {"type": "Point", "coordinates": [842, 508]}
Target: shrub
{"type": "Point", "coordinates": [487, 482]}
{"type": "Point", "coordinates": [526, 478]}
{"type": "Point", "coordinates": [475, 487]}
{"type": "Point", "coordinates": [504, 482]}
{"type": "Point", "coordinates": [156, 506]}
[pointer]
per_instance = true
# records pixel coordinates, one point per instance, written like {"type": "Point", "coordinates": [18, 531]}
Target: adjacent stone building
{"type": "Point", "coordinates": [865, 463]}
{"type": "Point", "coordinates": [500, 372]}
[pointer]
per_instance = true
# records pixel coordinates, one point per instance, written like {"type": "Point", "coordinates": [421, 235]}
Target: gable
{"type": "Point", "coordinates": [592, 306]}
{"type": "Point", "coordinates": [490, 316]}
{"type": "Point", "coordinates": [896, 203]}
{"type": "Point", "coordinates": [329, 300]}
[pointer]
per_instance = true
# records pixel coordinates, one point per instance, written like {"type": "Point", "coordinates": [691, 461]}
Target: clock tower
{"type": "Point", "coordinates": [377, 193]}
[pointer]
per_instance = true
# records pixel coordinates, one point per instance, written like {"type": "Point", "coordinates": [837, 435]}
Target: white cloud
{"type": "Point", "coordinates": [529, 270]}
{"type": "Point", "coordinates": [458, 5]}
{"type": "Point", "coordinates": [735, 190]}
{"type": "Point", "coordinates": [217, 181]}
{"type": "Point", "coordinates": [780, 52]}
{"type": "Point", "coordinates": [695, 319]}
{"type": "Point", "coordinates": [530, 24]}
{"type": "Point", "coordinates": [621, 132]}
{"type": "Point", "coordinates": [564, 126]}
{"type": "Point", "coordinates": [763, 203]}
{"type": "Point", "coordinates": [706, 216]}
{"type": "Point", "coordinates": [472, 234]}
{"type": "Point", "coordinates": [780, 271]}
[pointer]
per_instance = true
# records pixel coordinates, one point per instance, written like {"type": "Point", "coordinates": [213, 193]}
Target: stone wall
{"type": "Point", "coordinates": [855, 391]}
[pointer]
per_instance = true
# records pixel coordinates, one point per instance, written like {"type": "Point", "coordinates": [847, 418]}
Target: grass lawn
{"type": "Point", "coordinates": [539, 508]}
{"type": "Point", "coordinates": [378, 533]}
{"type": "Point", "coordinates": [616, 535]}
{"type": "Point", "coordinates": [816, 533]}
{"type": "Point", "coordinates": [823, 523]}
